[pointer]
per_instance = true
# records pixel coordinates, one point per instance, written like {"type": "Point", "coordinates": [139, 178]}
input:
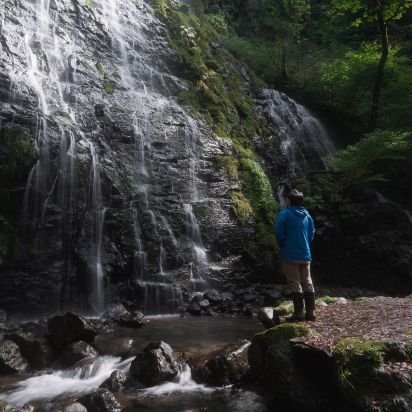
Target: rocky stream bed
{"type": "Point", "coordinates": [357, 356]}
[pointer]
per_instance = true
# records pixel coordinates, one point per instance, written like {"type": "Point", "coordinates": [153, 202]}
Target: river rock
{"type": "Point", "coordinates": [11, 360]}
{"type": "Point", "coordinates": [114, 312]}
{"type": "Point", "coordinates": [223, 367]}
{"type": "Point", "coordinates": [132, 320]}
{"type": "Point", "coordinates": [76, 352]}
{"type": "Point", "coordinates": [213, 296]}
{"type": "Point", "coordinates": [156, 364]}
{"type": "Point", "coordinates": [267, 318]}
{"type": "Point", "coordinates": [34, 347]}
{"type": "Point", "coordinates": [195, 309]}
{"type": "Point", "coordinates": [115, 382]}
{"type": "Point", "coordinates": [72, 407]}
{"type": "Point", "coordinates": [70, 328]}
{"type": "Point", "coordinates": [100, 400]}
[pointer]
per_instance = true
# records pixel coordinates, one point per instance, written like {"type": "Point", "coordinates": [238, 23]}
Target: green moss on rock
{"type": "Point", "coordinates": [357, 361]}
{"type": "Point", "coordinates": [241, 206]}
{"type": "Point", "coordinates": [282, 334]}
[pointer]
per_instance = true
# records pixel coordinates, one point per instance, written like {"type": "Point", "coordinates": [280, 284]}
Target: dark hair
{"type": "Point", "coordinates": [295, 197]}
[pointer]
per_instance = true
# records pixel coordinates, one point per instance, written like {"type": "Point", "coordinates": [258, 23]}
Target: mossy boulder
{"type": "Point", "coordinates": [273, 365]}
{"type": "Point", "coordinates": [374, 374]}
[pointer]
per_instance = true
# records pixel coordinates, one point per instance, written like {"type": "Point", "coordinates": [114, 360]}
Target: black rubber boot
{"type": "Point", "coordinates": [298, 314]}
{"type": "Point", "coordinates": [310, 305]}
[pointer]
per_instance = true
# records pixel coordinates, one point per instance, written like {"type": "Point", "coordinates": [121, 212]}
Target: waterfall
{"type": "Point", "coordinates": [304, 141]}
{"type": "Point", "coordinates": [116, 150]}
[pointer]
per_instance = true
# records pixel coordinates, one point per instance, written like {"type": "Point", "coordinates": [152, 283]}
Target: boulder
{"type": "Point", "coordinates": [213, 296]}
{"type": "Point", "coordinates": [115, 382]}
{"type": "Point", "coordinates": [273, 366]}
{"type": "Point", "coordinates": [132, 320]}
{"type": "Point", "coordinates": [156, 364]}
{"type": "Point", "coordinates": [223, 367]}
{"type": "Point", "coordinates": [72, 407]}
{"type": "Point", "coordinates": [70, 328]}
{"type": "Point", "coordinates": [204, 304]}
{"type": "Point", "coordinates": [267, 317]}
{"type": "Point", "coordinates": [114, 312]}
{"type": "Point", "coordinates": [34, 347]}
{"type": "Point", "coordinates": [76, 352]}
{"type": "Point", "coordinates": [11, 359]}
{"type": "Point", "coordinates": [100, 400]}
{"type": "Point", "coordinates": [195, 309]}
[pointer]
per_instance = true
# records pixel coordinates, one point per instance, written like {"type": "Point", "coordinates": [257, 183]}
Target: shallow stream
{"type": "Point", "coordinates": [192, 336]}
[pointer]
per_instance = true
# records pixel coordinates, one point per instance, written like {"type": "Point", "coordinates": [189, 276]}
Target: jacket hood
{"type": "Point", "coordinates": [299, 211]}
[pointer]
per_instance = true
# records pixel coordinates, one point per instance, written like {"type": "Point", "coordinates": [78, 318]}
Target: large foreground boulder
{"type": "Point", "coordinates": [273, 365]}
{"type": "Point", "coordinates": [223, 367]}
{"type": "Point", "coordinates": [100, 400]}
{"type": "Point", "coordinates": [34, 347]}
{"type": "Point", "coordinates": [11, 359]}
{"type": "Point", "coordinates": [156, 364]}
{"type": "Point", "coordinates": [70, 328]}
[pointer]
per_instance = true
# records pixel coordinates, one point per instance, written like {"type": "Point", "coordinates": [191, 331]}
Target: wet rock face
{"type": "Point", "coordinates": [119, 158]}
{"type": "Point", "coordinates": [70, 328]}
{"type": "Point", "coordinates": [115, 382]}
{"type": "Point", "coordinates": [224, 367]}
{"type": "Point", "coordinates": [156, 364]}
{"type": "Point", "coordinates": [101, 400]}
{"type": "Point", "coordinates": [33, 346]}
{"type": "Point", "coordinates": [11, 360]}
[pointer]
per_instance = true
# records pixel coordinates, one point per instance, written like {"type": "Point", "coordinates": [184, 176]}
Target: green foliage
{"type": "Point", "coordinates": [258, 190]}
{"type": "Point", "coordinates": [365, 11]}
{"type": "Point", "coordinates": [230, 165]}
{"type": "Point", "coordinates": [241, 206]}
{"type": "Point", "coordinates": [357, 360]}
{"type": "Point", "coordinates": [379, 156]}
{"type": "Point", "coordinates": [21, 155]}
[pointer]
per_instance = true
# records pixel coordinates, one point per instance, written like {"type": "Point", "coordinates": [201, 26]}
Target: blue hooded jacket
{"type": "Point", "coordinates": [294, 230]}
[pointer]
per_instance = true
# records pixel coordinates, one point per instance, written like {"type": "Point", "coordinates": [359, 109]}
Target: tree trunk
{"type": "Point", "coordinates": [284, 63]}
{"type": "Point", "coordinates": [383, 29]}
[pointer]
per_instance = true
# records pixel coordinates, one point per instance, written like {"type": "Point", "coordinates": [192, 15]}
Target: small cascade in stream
{"type": "Point", "coordinates": [77, 380]}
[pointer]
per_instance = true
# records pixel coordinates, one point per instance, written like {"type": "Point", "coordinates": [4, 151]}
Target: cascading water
{"type": "Point", "coordinates": [77, 380]}
{"type": "Point", "coordinates": [122, 169]}
{"type": "Point", "coordinates": [304, 141]}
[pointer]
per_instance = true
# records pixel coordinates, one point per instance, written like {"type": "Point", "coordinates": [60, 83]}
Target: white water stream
{"type": "Point", "coordinates": [78, 380]}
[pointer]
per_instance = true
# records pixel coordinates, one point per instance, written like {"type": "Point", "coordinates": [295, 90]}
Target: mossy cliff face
{"type": "Point", "coordinates": [222, 91]}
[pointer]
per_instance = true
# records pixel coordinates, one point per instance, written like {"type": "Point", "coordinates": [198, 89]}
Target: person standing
{"type": "Point", "coordinates": [294, 230]}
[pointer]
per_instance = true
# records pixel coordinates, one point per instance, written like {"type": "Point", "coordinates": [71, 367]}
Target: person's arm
{"type": "Point", "coordinates": [311, 229]}
{"type": "Point", "coordinates": [280, 229]}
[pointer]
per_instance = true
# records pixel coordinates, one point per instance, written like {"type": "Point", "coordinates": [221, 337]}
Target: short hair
{"type": "Point", "coordinates": [295, 197]}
